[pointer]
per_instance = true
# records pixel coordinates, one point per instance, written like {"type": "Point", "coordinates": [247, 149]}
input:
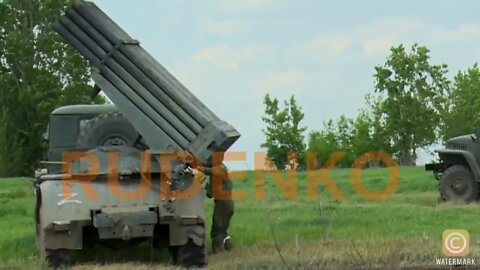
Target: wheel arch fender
{"type": "Point", "coordinates": [452, 157]}
{"type": "Point", "coordinates": [180, 234]}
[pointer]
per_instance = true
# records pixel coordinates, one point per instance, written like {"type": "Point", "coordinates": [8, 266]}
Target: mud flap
{"type": "Point", "coordinates": [38, 205]}
{"type": "Point", "coordinates": [72, 238]}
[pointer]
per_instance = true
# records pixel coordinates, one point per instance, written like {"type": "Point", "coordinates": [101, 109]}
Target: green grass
{"type": "Point", "coordinates": [402, 230]}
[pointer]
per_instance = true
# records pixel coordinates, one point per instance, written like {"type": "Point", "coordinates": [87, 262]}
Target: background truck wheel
{"type": "Point", "coordinates": [190, 255]}
{"type": "Point", "coordinates": [109, 129]}
{"type": "Point", "coordinates": [458, 184]}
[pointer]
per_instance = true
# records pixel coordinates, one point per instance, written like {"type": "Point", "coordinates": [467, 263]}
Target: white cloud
{"type": "Point", "coordinates": [225, 57]}
{"type": "Point", "coordinates": [225, 27]}
{"type": "Point", "coordinates": [464, 33]}
{"type": "Point", "coordinates": [379, 45]}
{"type": "Point", "coordinates": [379, 37]}
{"type": "Point", "coordinates": [281, 84]}
{"type": "Point", "coordinates": [328, 44]}
{"type": "Point", "coordinates": [373, 39]}
{"type": "Point", "coordinates": [243, 5]}
{"type": "Point", "coordinates": [220, 67]}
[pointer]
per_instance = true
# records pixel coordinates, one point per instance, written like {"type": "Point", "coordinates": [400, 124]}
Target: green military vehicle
{"type": "Point", "coordinates": [73, 221]}
{"type": "Point", "coordinates": [458, 171]}
{"type": "Point", "coordinates": [154, 118]}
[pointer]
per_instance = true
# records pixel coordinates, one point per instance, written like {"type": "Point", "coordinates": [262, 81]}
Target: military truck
{"type": "Point", "coordinates": [115, 172]}
{"type": "Point", "coordinates": [458, 171]}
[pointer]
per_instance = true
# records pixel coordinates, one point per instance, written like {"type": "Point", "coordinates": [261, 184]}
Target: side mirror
{"type": "Point", "coordinates": [46, 134]}
{"type": "Point", "coordinates": [477, 132]}
{"type": "Point", "coordinates": [45, 137]}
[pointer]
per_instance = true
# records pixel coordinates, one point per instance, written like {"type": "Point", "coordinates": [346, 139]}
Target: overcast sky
{"type": "Point", "coordinates": [230, 53]}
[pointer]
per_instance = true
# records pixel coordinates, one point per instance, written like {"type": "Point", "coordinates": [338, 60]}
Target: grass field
{"type": "Point", "coordinates": [402, 231]}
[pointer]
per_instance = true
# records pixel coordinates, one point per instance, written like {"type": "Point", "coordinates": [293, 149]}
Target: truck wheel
{"type": "Point", "coordinates": [109, 129]}
{"type": "Point", "coordinates": [458, 184]}
{"type": "Point", "coordinates": [57, 259]}
{"type": "Point", "coordinates": [190, 255]}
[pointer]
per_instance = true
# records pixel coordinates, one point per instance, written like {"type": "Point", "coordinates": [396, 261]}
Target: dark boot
{"type": "Point", "coordinates": [222, 213]}
{"type": "Point", "coordinates": [217, 245]}
{"type": "Point", "coordinates": [227, 243]}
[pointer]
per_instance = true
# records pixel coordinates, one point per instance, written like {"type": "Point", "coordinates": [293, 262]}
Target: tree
{"type": "Point", "coordinates": [412, 94]}
{"type": "Point", "coordinates": [38, 72]}
{"type": "Point", "coordinates": [361, 139]}
{"type": "Point", "coordinates": [379, 138]}
{"type": "Point", "coordinates": [345, 134]}
{"type": "Point", "coordinates": [462, 114]}
{"type": "Point", "coordinates": [355, 137]}
{"type": "Point", "coordinates": [283, 132]}
{"type": "Point", "coordinates": [324, 143]}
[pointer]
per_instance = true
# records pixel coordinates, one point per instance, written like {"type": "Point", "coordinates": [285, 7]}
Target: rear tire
{"type": "Point", "coordinates": [190, 255]}
{"type": "Point", "coordinates": [458, 184]}
{"type": "Point", "coordinates": [55, 259]}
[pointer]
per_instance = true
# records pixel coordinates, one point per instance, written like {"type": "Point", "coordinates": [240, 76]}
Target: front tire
{"type": "Point", "coordinates": [458, 184]}
{"type": "Point", "coordinates": [190, 255]}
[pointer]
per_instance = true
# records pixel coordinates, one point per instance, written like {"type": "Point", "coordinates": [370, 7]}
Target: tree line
{"type": "Point", "coordinates": [412, 106]}
{"type": "Point", "coordinates": [38, 73]}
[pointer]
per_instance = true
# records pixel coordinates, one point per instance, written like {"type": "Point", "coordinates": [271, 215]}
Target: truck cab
{"type": "Point", "coordinates": [64, 129]}
{"type": "Point", "coordinates": [458, 171]}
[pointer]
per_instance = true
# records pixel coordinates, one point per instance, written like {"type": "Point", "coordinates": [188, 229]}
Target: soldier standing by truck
{"type": "Point", "coordinates": [219, 187]}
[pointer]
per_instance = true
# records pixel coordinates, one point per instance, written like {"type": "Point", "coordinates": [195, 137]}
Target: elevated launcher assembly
{"type": "Point", "coordinates": [167, 115]}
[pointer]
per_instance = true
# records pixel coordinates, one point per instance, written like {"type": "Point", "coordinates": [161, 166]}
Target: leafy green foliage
{"type": "Point", "coordinates": [409, 109]}
{"type": "Point", "coordinates": [411, 94]}
{"type": "Point", "coordinates": [462, 114]}
{"type": "Point", "coordinates": [283, 132]}
{"type": "Point", "coordinates": [323, 143]}
{"type": "Point", "coordinates": [355, 137]}
{"type": "Point", "coordinates": [335, 137]}
{"type": "Point", "coordinates": [38, 72]}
